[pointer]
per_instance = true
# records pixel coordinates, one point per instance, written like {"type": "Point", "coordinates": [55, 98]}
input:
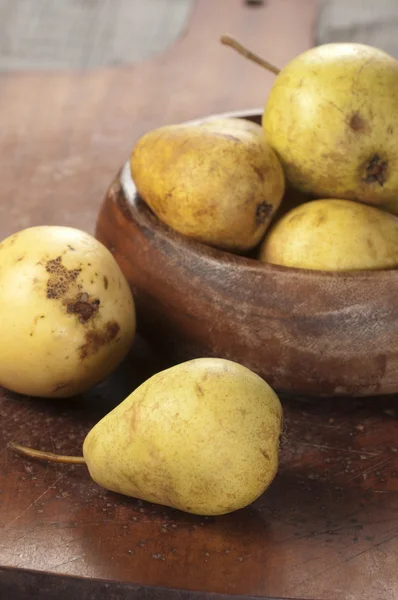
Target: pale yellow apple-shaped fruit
{"type": "Point", "coordinates": [67, 313]}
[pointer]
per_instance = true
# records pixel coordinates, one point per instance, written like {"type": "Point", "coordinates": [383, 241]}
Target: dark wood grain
{"type": "Point", "coordinates": [307, 332]}
{"type": "Point", "coordinates": [327, 527]}
{"type": "Point", "coordinates": [18, 585]}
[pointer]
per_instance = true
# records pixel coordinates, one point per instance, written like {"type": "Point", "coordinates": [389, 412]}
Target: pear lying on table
{"type": "Point", "coordinates": [333, 235]}
{"type": "Point", "coordinates": [217, 182]}
{"type": "Point", "coordinates": [202, 437]}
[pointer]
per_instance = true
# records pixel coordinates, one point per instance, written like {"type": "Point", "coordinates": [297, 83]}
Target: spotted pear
{"type": "Point", "coordinates": [219, 183]}
{"type": "Point", "coordinates": [332, 119]}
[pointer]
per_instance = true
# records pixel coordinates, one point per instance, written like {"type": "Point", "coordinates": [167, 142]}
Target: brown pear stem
{"type": "Point", "coordinates": [227, 40]}
{"type": "Point", "coordinates": [58, 458]}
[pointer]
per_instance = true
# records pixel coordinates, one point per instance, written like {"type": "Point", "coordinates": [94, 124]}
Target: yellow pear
{"type": "Point", "coordinates": [333, 235]}
{"type": "Point", "coordinates": [332, 118]}
{"type": "Point", "coordinates": [202, 437]}
{"type": "Point", "coordinates": [219, 184]}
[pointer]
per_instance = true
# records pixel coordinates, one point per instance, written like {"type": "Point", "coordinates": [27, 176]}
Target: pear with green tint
{"type": "Point", "coordinates": [202, 437]}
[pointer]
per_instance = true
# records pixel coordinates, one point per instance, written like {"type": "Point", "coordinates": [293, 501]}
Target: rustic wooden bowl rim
{"type": "Point", "coordinates": [146, 218]}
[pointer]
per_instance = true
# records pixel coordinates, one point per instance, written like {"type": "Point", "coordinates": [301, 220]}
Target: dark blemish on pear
{"type": "Point", "coordinates": [106, 283]}
{"type": "Point", "coordinates": [357, 123]}
{"type": "Point", "coordinates": [84, 307]}
{"type": "Point", "coordinates": [60, 278]}
{"type": "Point", "coordinates": [263, 211]}
{"type": "Point", "coordinates": [321, 218]}
{"type": "Point", "coordinates": [375, 170]}
{"type": "Point", "coordinates": [61, 386]}
{"type": "Point", "coordinates": [199, 389]}
{"type": "Point", "coordinates": [258, 172]}
{"type": "Point", "coordinates": [95, 340]}
{"type": "Point", "coordinates": [37, 317]}
{"type": "Point", "coordinates": [170, 193]}
{"type": "Point", "coordinates": [370, 245]}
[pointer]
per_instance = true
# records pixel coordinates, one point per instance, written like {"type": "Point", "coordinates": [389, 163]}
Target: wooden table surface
{"type": "Point", "coordinates": [327, 528]}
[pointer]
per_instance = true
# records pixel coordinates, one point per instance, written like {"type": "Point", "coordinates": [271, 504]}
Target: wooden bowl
{"type": "Point", "coordinates": [306, 332]}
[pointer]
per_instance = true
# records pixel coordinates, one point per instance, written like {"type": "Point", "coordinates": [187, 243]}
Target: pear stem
{"type": "Point", "coordinates": [58, 458]}
{"type": "Point", "coordinates": [227, 40]}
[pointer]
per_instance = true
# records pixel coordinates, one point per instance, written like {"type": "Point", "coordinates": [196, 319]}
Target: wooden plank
{"type": "Point", "coordinates": [76, 34]}
{"type": "Point", "coordinates": [360, 21]}
{"type": "Point", "coordinates": [327, 528]}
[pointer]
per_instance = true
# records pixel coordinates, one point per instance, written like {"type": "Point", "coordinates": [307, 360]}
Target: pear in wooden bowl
{"type": "Point", "coordinates": [305, 332]}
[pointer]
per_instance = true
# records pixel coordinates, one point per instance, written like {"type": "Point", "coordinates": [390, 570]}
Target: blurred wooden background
{"type": "Point", "coordinates": [84, 34]}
